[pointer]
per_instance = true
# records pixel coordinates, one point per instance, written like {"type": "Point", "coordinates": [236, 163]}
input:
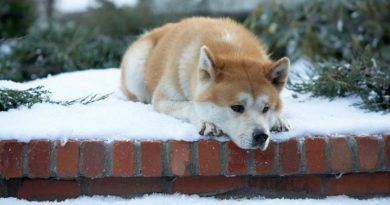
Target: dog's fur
{"type": "Point", "coordinates": [196, 69]}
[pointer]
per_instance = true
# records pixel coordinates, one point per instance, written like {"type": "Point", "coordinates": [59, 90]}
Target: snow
{"type": "Point", "coordinates": [160, 199]}
{"type": "Point", "coordinates": [5, 48]}
{"type": "Point", "coordinates": [82, 5]}
{"type": "Point", "coordinates": [112, 119]}
{"type": "Point", "coordinates": [301, 70]}
{"type": "Point", "coordinates": [115, 118]}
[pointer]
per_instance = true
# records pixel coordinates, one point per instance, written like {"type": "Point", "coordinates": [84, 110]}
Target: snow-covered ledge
{"type": "Point", "coordinates": [117, 147]}
{"type": "Point", "coordinates": [310, 167]}
{"type": "Point", "coordinates": [96, 159]}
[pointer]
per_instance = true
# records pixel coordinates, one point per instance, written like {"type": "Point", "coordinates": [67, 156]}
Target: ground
{"type": "Point", "coordinates": [115, 118]}
{"type": "Point", "coordinates": [158, 199]}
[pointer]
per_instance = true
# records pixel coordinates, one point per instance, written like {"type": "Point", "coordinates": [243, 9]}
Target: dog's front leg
{"type": "Point", "coordinates": [184, 110]}
{"type": "Point", "coordinates": [174, 105]}
{"type": "Point", "coordinates": [281, 124]}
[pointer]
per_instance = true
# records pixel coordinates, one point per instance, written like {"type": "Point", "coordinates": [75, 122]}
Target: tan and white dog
{"type": "Point", "coordinates": [213, 73]}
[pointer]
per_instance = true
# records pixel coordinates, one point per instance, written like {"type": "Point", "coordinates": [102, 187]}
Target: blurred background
{"type": "Point", "coordinates": [347, 42]}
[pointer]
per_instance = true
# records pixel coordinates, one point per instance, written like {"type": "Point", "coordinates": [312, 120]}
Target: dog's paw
{"type": "Point", "coordinates": [281, 125]}
{"type": "Point", "coordinates": [209, 129]}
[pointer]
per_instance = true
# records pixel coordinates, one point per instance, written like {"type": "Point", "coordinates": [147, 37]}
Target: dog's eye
{"type": "Point", "coordinates": [238, 108]}
{"type": "Point", "coordinates": [265, 109]}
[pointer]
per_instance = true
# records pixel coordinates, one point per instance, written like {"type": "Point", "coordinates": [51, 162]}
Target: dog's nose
{"type": "Point", "coordinates": [259, 137]}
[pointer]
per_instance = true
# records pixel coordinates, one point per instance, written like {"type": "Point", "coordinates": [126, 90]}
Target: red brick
{"type": "Point", "coordinates": [93, 159]}
{"type": "Point", "coordinates": [237, 160]}
{"type": "Point", "coordinates": [209, 157]}
{"type": "Point", "coordinates": [40, 189]}
{"type": "Point", "coordinates": [11, 159]}
{"type": "Point", "coordinates": [180, 157]}
{"type": "Point", "coordinates": [125, 186]}
{"type": "Point", "coordinates": [265, 160]}
{"type": "Point", "coordinates": [151, 159]}
{"type": "Point", "coordinates": [315, 155]}
{"type": "Point", "coordinates": [307, 184]}
{"type": "Point", "coordinates": [340, 155]}
{"type": "Point", "coordinates": [290, 156]}
{"type": "Point", "coordinates": [209, 184]}
{"type": "Point", "coordinates": [360, 184]}
{"type": "Point", "coordinates": [39, 159]}
{"type": "Point", "coordinates": [386, 138]}
{"type": "Point", "coordinates": [368, 153]}
{"type": "Point", "coordinates": [13, 186]}
{"type": "Point", "coordinates": [67, 165]}
{"type": "Point", "coordinates": [3, 188]}
{"type": "Point", "coordinates": [123, 159]}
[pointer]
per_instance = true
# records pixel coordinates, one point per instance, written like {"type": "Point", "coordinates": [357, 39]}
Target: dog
{"type": "Point", "coordinates": [211, 72]}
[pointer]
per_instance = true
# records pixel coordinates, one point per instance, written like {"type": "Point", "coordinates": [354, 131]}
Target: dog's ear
{"type": "Point", "coordinates": [279, 72]}
{"type": "Point", "coordinates": [206, 64]}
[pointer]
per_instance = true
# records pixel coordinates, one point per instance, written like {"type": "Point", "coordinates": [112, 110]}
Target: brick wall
{"type": "Point", "coordinates": [313, 167]}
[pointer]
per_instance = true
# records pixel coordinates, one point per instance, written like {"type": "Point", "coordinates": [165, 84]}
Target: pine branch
{"type": "Point", "coordinates": [83, 100]}
{"type": "Point", "coordinates": [12, 98]}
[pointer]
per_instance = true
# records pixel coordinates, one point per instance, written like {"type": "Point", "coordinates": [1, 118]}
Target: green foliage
{"type": "Point", "coordinates": [115, 21]}
{"type": "Point", "coordinates": [345, 39]}
{"type": "Point", "coordinates": [367, 78]}
{"type": "Point", "coordinates": [96, 38]}
{"type": "Point", "coordinates": [374, 84]}
{"type": "Point", "coordinates": [323, 28]}
{"type": "Point", "coordinates": [16, 16]}
{"type": "Point", "coordinates": [11, 98]}
{"type": "Point", "coordinates": [60, 49]}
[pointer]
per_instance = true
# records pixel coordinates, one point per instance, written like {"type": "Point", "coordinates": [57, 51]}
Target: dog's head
{"type": "Point", "coordinates": [240, 96]}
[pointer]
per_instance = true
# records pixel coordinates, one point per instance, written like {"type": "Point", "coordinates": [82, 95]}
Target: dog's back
{"type": "Point", "coordinates": [168, 56]}
{"type": "Point", "coordinates": [134, 64]}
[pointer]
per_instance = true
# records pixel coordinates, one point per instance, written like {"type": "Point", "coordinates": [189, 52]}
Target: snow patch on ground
{"type": "Point", "coordinates": [118, 119]}
{"type": "Point", "coordinates": [112, 119]}
{"type": "Point", "coordinates": [160, 199]}
{"type": "Point", "coordinates": [82, 5]}
{"type": "Point", "coordinates": [5, 48]}
{"type": "Point", "coordinates": [301, 71]}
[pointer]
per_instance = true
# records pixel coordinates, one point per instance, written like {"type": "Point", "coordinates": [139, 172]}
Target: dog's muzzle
{"type": "Point", "coordinates": [259, 137]}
